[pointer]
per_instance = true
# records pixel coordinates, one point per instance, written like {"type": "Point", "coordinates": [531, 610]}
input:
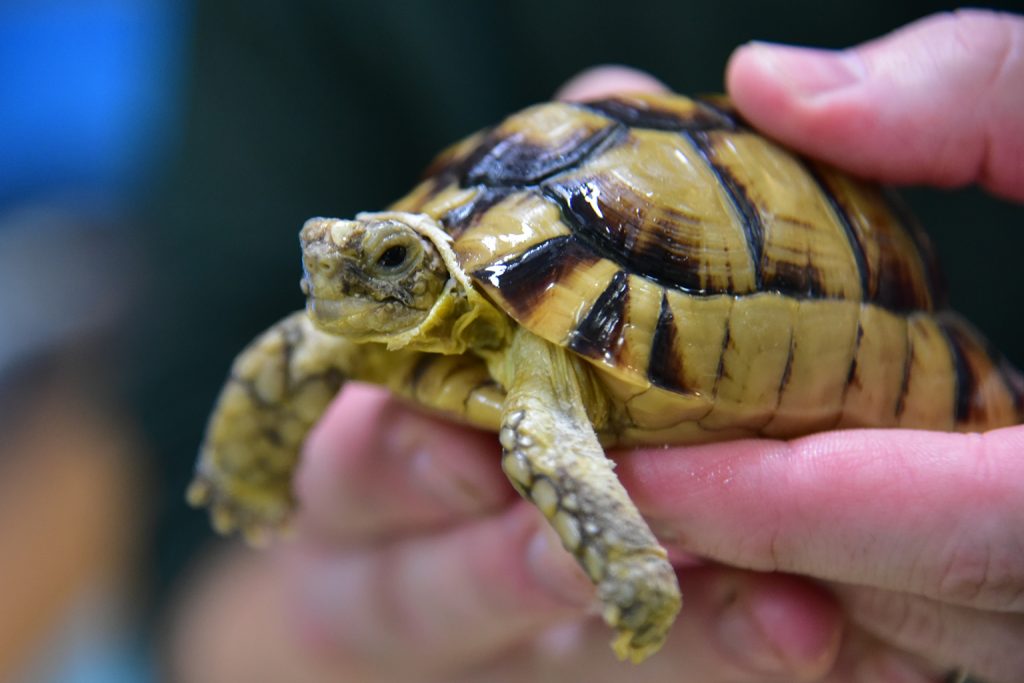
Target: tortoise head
{"type": "Point", "coordinates": [375, 276]}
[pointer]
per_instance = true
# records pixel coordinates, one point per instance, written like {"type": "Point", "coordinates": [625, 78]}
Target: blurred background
{"type": "Point", "coordinates": [156, 160]}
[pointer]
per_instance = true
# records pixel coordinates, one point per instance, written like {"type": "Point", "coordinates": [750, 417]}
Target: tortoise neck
{"type": "Point", "coordinates": [461, 320]}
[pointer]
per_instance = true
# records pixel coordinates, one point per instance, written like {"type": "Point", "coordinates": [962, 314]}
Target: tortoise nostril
{"type": "Point", "coordinates": [319, 265]}
{"type": "Point", "coordinates": [322, 266]}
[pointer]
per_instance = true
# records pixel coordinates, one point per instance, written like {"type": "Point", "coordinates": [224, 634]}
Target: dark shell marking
{"type": "Point", "coordinates": [623, 232]}
{"type": "Point", "coordinates": [525, 278]}
{"type": "Point", "coordinates": [665, 368]}
{"type": "Point", "coordinates": [610, 218]}
{"type": "Point", "coordinates": [599, 335]}
{"type": "Point", "coordinates": [606, 175]}
{"type": "Point", "coordinates": [749, 216]}
{"type": "Point", "coordinates": [647, 116]}
{"type": "Point", "coordinates": [516, 162]}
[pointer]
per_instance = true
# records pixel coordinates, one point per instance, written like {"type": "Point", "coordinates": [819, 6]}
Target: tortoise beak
{"type": "Point", "coordinates": [334, 313]}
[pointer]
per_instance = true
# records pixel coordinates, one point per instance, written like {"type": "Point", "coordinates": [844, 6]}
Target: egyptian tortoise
{"type": "Point", "coordinates": [642, 269]}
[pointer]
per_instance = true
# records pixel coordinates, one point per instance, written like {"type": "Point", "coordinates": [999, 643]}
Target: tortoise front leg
{"type": "Point", "coordinates": [553, 458]}
{"type": "Point", "coordinates": [278, 388]}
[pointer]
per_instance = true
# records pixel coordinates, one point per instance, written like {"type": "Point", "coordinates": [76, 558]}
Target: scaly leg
{"type": "Point", "coordinates": [279, 387]}
{"type": "Point", "coordinates": [553, 458]}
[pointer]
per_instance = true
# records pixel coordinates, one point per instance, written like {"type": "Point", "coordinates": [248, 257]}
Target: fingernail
{"type": "Point", "coordinates": [809, 72]}
{"type": "Point", "coordinates": [768, 628]}
{"type": "Point", "coordinates": [556, 570]}
{"type": "Point", "coordinates": [743, 638]}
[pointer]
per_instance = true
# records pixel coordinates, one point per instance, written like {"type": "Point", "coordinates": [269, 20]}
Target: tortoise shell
{"type": "Point", "coordinates": [717, 285]}
{"type": "Point", "coordinates": [723, 285]}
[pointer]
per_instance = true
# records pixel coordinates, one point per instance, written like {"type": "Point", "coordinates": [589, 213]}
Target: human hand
{"type": "Point", "coordinates": [917, 534]}
{"type": "Point", "coordinates": [414, 561]}
{"type": "Point", "coordinates": [938, 102]}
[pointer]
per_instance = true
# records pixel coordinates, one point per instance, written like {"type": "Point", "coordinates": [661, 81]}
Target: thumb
{"type": "Point", "coordinates": [940, 101]}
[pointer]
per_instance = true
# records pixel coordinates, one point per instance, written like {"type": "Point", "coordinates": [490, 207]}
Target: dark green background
{"type": "Point", "coordinates": [328, 108]}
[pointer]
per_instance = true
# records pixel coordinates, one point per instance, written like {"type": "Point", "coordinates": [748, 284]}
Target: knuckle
{"type": "Point", "coordinates": [765, 551]}
{"type": "Point", "coordinates": [982, 573]}
{"type": "Point", "coordinates": [982, 563]}
{"type": "Point", "coordinates": [904, 619]}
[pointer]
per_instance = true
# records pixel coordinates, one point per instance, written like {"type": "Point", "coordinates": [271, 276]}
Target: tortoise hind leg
{"type": "Point", "coordinates": [553, 458]}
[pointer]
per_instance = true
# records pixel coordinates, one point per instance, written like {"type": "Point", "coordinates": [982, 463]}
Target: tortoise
{"type": "Point", "coordinates": [640, 269]}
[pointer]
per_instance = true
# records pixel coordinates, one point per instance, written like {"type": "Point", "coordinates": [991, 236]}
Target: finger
{"type": "Point", "coordinates": [474, 598]}
{"type": "Point", "coordinates": [736, 627]}
{"type": "Point", "coordinates": [986, 644]}
{"type": "Point", "coordinates": [864, 658]}
{"type": "Point", "coordinates": [228, 624]}
{"type": "Point", "coordinates": [427, 604]}
{"type": "Point", "coordinates": [601, 81]}
{"type": "Point", "coordinates": [375, 467]}
{"type": "Point", "coordinates": [234, 625]}
{"type": "Point", "coordinates": [861, 658]}
{"type": "Point", "coordinates": [920, 512]}
{"type": "Point", "coordinates": [938, 101]}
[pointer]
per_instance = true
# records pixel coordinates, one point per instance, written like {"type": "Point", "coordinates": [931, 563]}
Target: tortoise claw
{"type": "Point", "coordinates": [199, 493]}
{"type": "Point", "coordinates": [641, 597]}
{"type": "Point", "coordinates": [256, 536]}
{"type": "Point", "coordinates": [259, 519]}
{"type": "Point", "coordinates": [223, 519]}
{"type": "Point", "coordinates": [261, 535]}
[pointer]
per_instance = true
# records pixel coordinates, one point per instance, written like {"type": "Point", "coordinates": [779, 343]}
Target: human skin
{"type": "Point", "coordinates": [870, 555]}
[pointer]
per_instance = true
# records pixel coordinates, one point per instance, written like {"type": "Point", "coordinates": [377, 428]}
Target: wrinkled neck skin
{"type": "Point", "coordinates": [461, 319]}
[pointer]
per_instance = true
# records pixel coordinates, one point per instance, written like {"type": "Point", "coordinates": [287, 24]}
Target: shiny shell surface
{"type": "Point", "coordinates": [721, 285]}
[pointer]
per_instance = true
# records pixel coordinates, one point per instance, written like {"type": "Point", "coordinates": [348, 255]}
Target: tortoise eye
{"type": "Point", "coordinates": [392, 257]}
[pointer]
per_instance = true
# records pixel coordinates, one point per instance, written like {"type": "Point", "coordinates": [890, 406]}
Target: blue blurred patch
{"type": "Point", "coordinates": [88, 90]}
